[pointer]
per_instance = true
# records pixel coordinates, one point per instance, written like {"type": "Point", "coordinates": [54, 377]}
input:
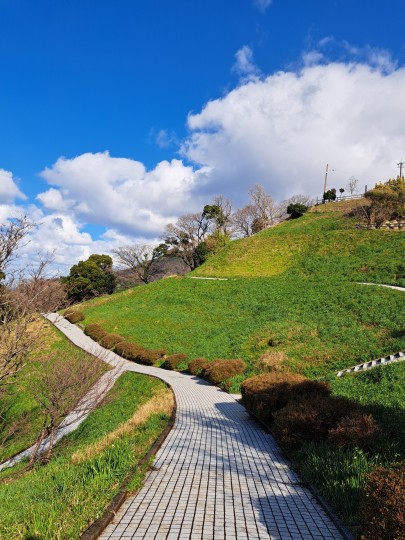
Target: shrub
{"type": "Point", "coordinates": [130, 351]}
{"type": "Point", "coordinates": [174, 360]}
{"type": "Point", "coordinates": [109, 341]}
{"type": "Point", "coordinates": [382, 510]}
{"type": "Point", "coordinates": [296, 210]}
{"type": "Point", "coordinates": [148, 357]}
{"type": "Point", "coordinates": [74, 316]}
{"type": "Point", "coordinates": [354, 430]}
{"type": "Point", "coordinates": [94, 331]}
{"type": "Point", "coordinates": [309, 419]}
{"type": "Point", "coordinates": [265, 394]}
{"type": "Point", "coordinates": [220, 370]}
{"type": "Point", "coordinates": [196, 365]}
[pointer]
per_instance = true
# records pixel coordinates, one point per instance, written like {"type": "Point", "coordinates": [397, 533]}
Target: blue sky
{"type": "Point", "coordinates": [118, 116]}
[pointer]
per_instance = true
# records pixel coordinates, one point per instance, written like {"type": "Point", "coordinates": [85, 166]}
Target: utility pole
{"type": "Point", "coordinates": [400, 165]}
{"type": "Point", "coordinates": [326, 178]}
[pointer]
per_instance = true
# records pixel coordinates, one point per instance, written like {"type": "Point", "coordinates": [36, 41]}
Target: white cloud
{"type": "Point", "coordinates": [244, 64]}
{"type": "Point", "coordinates": [262, 5]}
{"type": "Point", "coordinates": [282, 131]}
{"type": "Point", "coordinates": [120, 193]}
{"type": "Point", "coordinates": [9, 190]}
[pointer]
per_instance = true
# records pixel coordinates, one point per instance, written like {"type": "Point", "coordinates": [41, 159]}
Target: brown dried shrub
{"type": "Point", "coordinates": [356, 429]}
{"type": "Point", "coordinates": [196, 365]}
{"type": "Point", "coordinates": [265, 394]}
{"type": "Point", "coordinates": [74, 316]}
{"type": "Point", "coordinates": [109, 341]}
{"type": "Point", "coordinates": [382, 510]}
{"type": "Point", "coordinates": [173, 361]}
{"type": "Point", "coordinates": [148, 357]}
{"type": "Point", "coordinates": [271, 361]}
{"type": "Point", "coordinates": [220, 370]}
{"type": "Point", "coordinates": [127, 350]}
{"type": "Point", "coordinates": [309, 419]}
{"type": "Point", "coordinates": [94, 331]}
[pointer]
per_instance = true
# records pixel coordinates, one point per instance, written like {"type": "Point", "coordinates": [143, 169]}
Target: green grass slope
{"type": "Point", "coordinates": [316, 245]}
{"type": "Point", "coordinates": [292, 290]}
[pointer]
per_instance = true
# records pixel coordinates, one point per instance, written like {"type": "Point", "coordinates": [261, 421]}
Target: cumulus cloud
{"type": "Point", "coordinates": [120, 193]}
{"type": "Point", "coordinates": [9, 190]}
{"type": "Point", "coordinates": [282, 130]}
{"type": "Point", "coordinates": [262, 5]}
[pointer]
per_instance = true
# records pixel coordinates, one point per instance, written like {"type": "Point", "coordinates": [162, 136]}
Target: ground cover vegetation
{"type": "Point", "coordinates": [61, 499]}
{"type": "Point", "coordinates": [292, 308]}
{"type": "Point", "coordinates": [56, 372]}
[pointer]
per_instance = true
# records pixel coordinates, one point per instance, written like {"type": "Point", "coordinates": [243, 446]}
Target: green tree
{"type": "Point", "coordinates": [330, 195]}
{"type": "Point", "coordinates": [90, 278]}
{"type": "Point", "coordinates": [296, 210]}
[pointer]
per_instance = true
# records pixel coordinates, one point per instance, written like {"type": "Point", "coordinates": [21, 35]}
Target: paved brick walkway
{"type": "Point", "coordinates": [217, 476]}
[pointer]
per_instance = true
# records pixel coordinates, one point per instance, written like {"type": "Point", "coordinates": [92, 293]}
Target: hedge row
{"type": "Point", "coordinates": [130, 351]}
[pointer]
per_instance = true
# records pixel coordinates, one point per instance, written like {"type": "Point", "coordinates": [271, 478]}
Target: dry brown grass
{"type": "Point", "coordinates": [162, 402]}
{"type": "Point", "coordinates": [271, 361]}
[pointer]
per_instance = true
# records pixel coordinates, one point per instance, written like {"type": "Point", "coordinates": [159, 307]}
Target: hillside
{"type": "Point", "coordinates": [293, 291]}
{"type": "Point", "coordinates": [318, 244]}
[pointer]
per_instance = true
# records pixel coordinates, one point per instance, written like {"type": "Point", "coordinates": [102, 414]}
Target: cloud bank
{"type": "Point", "coordinates": [278, 130]}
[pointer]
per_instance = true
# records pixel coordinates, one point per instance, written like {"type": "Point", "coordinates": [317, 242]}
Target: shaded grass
{"type": "Point", "coordinates": [60, 500]}
{"type": "Point", "coordinates": [19, 407]}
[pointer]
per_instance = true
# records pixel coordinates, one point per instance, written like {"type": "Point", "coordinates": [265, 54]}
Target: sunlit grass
{"type": "Point", "coordinates": [60, 500]}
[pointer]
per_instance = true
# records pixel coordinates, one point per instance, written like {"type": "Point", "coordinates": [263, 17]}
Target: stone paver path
{"type": "Point", "coordinates": [217, 476]}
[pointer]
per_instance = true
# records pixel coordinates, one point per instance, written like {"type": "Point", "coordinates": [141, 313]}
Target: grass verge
{"type": "Point", "coordinates": [60, 500]}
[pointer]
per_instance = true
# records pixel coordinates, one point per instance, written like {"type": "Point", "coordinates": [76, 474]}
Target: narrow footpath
{"type": "Point", "coordinates": [218, 475]}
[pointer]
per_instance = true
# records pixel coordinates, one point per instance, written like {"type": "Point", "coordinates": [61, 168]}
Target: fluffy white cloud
{"type": "Point", "coordinates": [282, 130]}
{"type": "Point", "coordinates": [120, 193]}
{"type": "Point", "coordinates": [9, 190]}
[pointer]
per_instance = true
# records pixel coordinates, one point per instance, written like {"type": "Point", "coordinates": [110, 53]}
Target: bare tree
{"type": "Point", "coordinates": [59, 385]}
{"type": "Point", "coordinates": [23, 294]}
{"type": "Point", "coordinates": [12, 235]}
{"type": "Point", "coordinates": [184, 236]}
{"type": "Point", "coordinates": [242, 220]}
{"type": "Point", "coordinates": [139, 258]}
{"type": "Point", "coordinates": [352, 185]}
{"type": "Point", "coordinates": [266, 209]}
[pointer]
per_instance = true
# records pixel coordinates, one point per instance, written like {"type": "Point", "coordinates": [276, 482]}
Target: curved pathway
{"type": "Point", "coordinates": [217, 476]}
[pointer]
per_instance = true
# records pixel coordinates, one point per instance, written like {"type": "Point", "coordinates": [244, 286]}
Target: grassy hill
{"type": "Point", "coordinates": [292, 290]}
